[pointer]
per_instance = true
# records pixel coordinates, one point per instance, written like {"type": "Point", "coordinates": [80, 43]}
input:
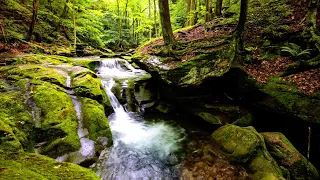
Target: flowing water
{"type": "Point", "coordinates": [142, 149]}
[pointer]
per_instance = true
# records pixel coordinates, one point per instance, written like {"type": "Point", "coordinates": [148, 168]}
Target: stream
{"type": "Point", "coordinates": [143, 149]}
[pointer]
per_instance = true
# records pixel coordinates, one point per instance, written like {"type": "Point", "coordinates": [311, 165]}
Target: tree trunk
{"type": "Point", "coordinates": [150, 30]}
{"type": "Point", "coordinates": [126, 15]}
{"type": "Point", "coordinates": [239, 39]}
{"type": "Point", "coordinates": [155, 18]}
{"type": "Point", "coordinates": [208, 10]}
{"type": "Point", "coordinates": [34, 18]}
{"type": "Point", "coordinates": [119, 23]}
{"type": "Point", "coordinates": [188, 12]}
{"type": "Point", "coordinates": [218, 8]}
{"type": "Point", "coordinates": [166, 23]}
{"type": "Point", "coordinates": [74, 29]}
{"type": "Point", "coordinates": [193, 8]}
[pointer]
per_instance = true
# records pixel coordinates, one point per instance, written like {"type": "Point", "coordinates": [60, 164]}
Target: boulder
{"type": "Point", "coordinates": [289, 158]}
{"type": "Point", "coordinates": [247, 146]}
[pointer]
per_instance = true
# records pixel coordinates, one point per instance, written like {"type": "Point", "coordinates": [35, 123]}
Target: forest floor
{"type": "Point", "coordinates": [205, 38]}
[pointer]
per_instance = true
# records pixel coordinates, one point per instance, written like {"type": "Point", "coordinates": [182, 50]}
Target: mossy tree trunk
{"type": "Point", "coordinates": [208, 10]}
{"type": "Point", "coordinates": [34, 18]}
{"type": "Point", "coordinates": [239, 39]}
{"type": "Point", "coordinates": [218, 8]}
{"type": "Point", "coordinates": [191, 12]}
{"type": "Point", "coordinates": [166, 23]}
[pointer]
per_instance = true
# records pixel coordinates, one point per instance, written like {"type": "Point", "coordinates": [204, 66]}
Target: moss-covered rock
{"type": "Point", "coordinates": [58, 119]}
{"type": "Point", "coordinates": [189, 73]}
{"type": "Point", "coordinates": [288, 157]}
{"type": "Point", "coordinates": [246, 146]}
{"type": "Point", "coordinates": [95, 120]}
{"type": "Point", "coordinates": [86, 85]}
{"type": "Point", "coordinates": [27, 166]}
{"type": "Point", "coordinates": [37, 59]}
{"type": "Point", "coordinates": [15, 122]}
{"type": "Point", "coordinates": [35, 72]}
{"type": "Point", "coordinates": [245, 120]}
{"type": "Point", "coordinates": [283, 96]}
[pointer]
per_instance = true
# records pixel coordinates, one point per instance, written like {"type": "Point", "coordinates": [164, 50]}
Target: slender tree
{"type": "Point", "coordinates": [239, 39]}
{"type": "Point", "coordinates": [149, 15]}
{"type": "Point", "coordinates": [34, 18]}
{"type": "Point", "coordinates": [166, 23]}
{"type": "Point", "coordinates": [218, 8]}
{"type": "Point", "coordinates": [208, 10]}
{"type": "Point", "coordinates": [155, 17]}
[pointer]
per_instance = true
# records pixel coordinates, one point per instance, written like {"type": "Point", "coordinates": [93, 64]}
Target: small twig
{"type": "Point", "coordinates": [308, 153]}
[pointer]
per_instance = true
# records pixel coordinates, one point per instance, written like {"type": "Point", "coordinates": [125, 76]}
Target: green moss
{"type": "Point", "coordinates": [246, 146]}
{"type": "Point", "coordinates": [266, 164]}
{"type": "Point", "coordinates": [27, 166]}
{"type": "Point", "coordinates": [8, 140]}
{"type": "Point", "coordinates": [244, 121]}
{"type": "Point", "coordinates": [87, 86]}
{"type": "Point", "coordinates": [58, 113]}
{"type": "Point", "coordinates": [285, 96]}
{"type": "Point", "coordinates": [88, 63]}
{"type": "Point", "coordinates": [209, 118]}
{"type": "Point", "coordinates": [39, 59]}
{"type": "Point", "coordinates": [95, 120]}
{"type": "Point", "coordinates": [3, 87]}
{"type": "Point", "coordinates": [16, 123]}
{"type": "Point", "coordinates": [240, 144]}
{"type": "Point", "coordinates": [289, 158]}
{"type": "Point", "coordinates": [36, 72]}
{"type": "Point", "coordinates": [265, 176]}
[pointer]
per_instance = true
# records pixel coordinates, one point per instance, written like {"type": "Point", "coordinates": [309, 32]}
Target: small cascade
{"type": "Point", "coordinates": [142, 149]}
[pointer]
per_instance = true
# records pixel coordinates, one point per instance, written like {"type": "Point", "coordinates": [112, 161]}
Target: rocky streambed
{"type": "Point", "coordinates": [121, 123]}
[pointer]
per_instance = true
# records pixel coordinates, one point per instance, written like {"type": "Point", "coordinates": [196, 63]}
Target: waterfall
{"type": "Point", "coordinates": [142, 149]}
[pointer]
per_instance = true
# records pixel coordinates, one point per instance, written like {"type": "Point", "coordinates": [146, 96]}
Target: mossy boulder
{"type": "Point", "coordinates": [95, 120]}
{"type": "Point", "coordinates": [284, 97]}
{"type": "Point", "coordinates": [85, 85]}
{"type": "Point", "coordinates": [289, 158]}
{"type": "Point", "coordinates": [58, 119]}
{"type": "Point", "coordinates": [35, 72]}
{"type": "Point", "coordinates": [247, 146]}
{"type": "Point", "coordinates": [15, 122]}
{"type": "Point", "coordinates": [189, 73]}
{"type": "Point", "coordinates": [27, 166]}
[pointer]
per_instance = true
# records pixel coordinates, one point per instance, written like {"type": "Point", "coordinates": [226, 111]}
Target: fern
{"type": "Point", "coordinates": [296, 51]}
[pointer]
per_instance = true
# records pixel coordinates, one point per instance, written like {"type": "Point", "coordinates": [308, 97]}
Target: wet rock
{"type": "Point", "coordinates": [289, 158]}
{"type": "Point", "coordinates": [247, 146]}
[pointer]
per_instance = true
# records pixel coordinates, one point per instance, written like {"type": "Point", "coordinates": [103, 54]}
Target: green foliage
{"type": "Point", "coordinates": [296, 51]}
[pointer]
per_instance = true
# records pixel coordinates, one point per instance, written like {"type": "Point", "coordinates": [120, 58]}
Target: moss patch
{"type": "Point", "coordinates": [15, 122]}
{"type": "Point", "coordinates": [95, 120]}
{"type": "Point", "coordinates": [27, 166]}
{"type": "Point", "coordinates": [57, 113]}
{"type": "Point", "coordinates": [35, 72]}
{"type": "Point", "coordinates": [87, 86]}
{"type": "Point", "coordinates": [284, 96]}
